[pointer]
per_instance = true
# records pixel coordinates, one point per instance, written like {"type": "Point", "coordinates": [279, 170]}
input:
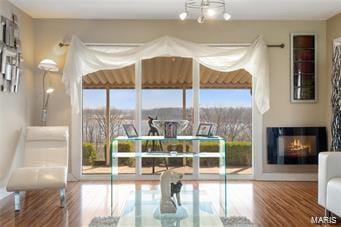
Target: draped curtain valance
{"type": "Point", "coordinates": [82, 60]}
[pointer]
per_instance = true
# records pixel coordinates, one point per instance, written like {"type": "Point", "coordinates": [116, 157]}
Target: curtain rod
{"type": "Point", "coordinates": [282, 45]}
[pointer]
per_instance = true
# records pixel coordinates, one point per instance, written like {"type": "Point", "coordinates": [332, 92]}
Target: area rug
{"type": "Point", "coordinates": [234, 221]}
{"type": "Point", "coordinates": [237, 221]}
{"type": "Point", "coordinates": [104, 222]}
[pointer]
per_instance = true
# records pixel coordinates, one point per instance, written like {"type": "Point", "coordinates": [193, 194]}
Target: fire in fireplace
{"type": "Point", "coordinates": [295, 145]}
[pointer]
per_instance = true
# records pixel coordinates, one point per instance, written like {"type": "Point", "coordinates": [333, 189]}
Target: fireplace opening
{"type": "Point", "coordinates": [295, 145]}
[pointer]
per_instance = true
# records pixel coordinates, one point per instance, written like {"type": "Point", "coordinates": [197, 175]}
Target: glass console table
{"type": "Point", "coordinates": [194, 154]}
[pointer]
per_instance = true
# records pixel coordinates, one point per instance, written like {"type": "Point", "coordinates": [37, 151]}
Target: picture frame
{"type": "Point", "coordinates": [171, 129]}
{"type": "Point", "coordinates": [204, 129]}
{"type": "Point", "coordinates": [214, 130]}
{"type": "Point", "coordinates": [130, 130]}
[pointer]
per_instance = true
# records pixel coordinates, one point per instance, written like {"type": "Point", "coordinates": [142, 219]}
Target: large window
{"type": "Point", "coordinates": [109, 100]}
{"type": "Point", "coordinates": [94, 131]}
{"type": "Point", "coordinates": [166, 104]}
{"type": "Point", "coordinates": [97, 131]}
{"type": "Point", "coordinates": [230, 111]}
{"type": "Point", "coordinates": [122, 111]}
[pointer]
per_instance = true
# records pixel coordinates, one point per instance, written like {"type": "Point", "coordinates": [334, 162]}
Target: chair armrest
{"type": "Point", "coordinates": [329, 167]}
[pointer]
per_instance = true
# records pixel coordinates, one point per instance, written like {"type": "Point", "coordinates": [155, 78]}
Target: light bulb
{"type": "Point", "coordinates": [226, 16]}
{"type": "Point", "coordinates": [183, 15]}
{"type": "Point", "coordinates": [48, 65]}
{"type": "Point", "coordinates": [210, 12]}
{"type": "Point", "coordinates": [201, 19]}
{"type": "Point", "coordinates": [49, 90]}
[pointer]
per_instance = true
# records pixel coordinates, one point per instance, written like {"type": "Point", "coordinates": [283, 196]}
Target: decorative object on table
{"type": "Point", "coordinates": [167, 203]}
{"type": "Point", "coordinates": [10, 55]}
{"type": "Point", "coordinates": [181, 125]}
{"type": "Point", "coordinates": [336, 98]}
{"type": "Point", "coordinates": [46, 65]}
{"type": "Point", "coordinates": [303, 68]}
{"type": "Point", "coordinates": [206, 9]}
{"type": "Point", "coordinates": [204, 129]}
{"type": "Point", "coordinates": [171, 129]}
{"type": "Point", "coordinates": [130, 130]}
{"type": "Point", "coordinates": [153, 131]}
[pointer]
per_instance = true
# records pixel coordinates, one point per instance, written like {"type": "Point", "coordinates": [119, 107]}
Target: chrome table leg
{"type": "Point", "coordinates": [62, 197]}
{"type": "Point", "coordinates": [17, 201]}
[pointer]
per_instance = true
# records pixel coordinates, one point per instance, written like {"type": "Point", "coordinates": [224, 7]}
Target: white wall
{"type": "Point", "coordinates": [16, 109]}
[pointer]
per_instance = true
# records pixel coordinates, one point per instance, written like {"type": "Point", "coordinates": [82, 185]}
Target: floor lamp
{"type": "Point", "coordinates": [46, 65]}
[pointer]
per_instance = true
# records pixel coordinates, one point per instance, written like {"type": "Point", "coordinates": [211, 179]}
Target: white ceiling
{"type": "Point", "coordinates": [170, 9]}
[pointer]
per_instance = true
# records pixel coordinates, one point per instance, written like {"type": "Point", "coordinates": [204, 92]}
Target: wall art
{"type": "Point", "coordinates": [10, 55]}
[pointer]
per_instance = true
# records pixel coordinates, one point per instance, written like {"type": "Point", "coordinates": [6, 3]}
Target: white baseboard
{"type": "Point", "coordinates": [4, 193]}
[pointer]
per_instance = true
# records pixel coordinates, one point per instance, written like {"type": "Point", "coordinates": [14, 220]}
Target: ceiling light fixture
{"type": "Point", "coordinates": [205, 9]}
{"type": "Point", "coordinates": [201, 19]}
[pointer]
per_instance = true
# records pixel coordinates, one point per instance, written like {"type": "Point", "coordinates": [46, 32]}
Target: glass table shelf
{"type": "Point", "coordinates": [178, 138]}
{"type": "Point", "coordinates": [220, 154]}
{"type": "Point", "coordinates": [166, 155]}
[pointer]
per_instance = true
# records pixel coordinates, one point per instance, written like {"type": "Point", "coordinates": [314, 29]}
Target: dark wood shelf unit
{"type": "Point", "coordinates": [303, 67]}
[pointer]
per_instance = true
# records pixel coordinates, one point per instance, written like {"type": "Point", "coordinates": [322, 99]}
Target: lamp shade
{"type": "Point", "coordinates": [48, 65]}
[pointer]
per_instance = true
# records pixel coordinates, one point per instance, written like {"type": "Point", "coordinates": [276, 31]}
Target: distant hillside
{"type": "Point", "coordinates": [230, 122]}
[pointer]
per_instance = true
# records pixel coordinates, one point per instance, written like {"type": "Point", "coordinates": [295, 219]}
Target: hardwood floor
{"type": "Point", "coordinates": [265, 203]}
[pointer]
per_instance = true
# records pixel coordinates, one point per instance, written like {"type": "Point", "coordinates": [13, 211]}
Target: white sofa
{"type": "Point", "coordinates": [45, 162]}
{"type": "Point", "coordinates": [329, 182]}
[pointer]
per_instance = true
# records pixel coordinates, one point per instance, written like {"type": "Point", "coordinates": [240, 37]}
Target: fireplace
{"type": "Point", "coordinates": [295, 145]}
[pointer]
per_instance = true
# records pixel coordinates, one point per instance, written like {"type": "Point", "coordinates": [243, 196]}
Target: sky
{"type": "Point", "coordinates": [157, 98]}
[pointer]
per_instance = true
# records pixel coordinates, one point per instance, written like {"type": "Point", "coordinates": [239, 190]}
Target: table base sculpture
{"type": "Point", "coordinates": [170, 182]}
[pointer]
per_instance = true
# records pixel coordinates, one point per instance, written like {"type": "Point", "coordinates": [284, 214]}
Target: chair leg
{"type": "Point", "coordinates": [17, 201]}
{"type": "Point", "coordinates": [62, 197]}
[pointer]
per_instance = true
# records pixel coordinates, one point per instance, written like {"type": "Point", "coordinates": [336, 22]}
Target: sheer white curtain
{"type": "Point", "coordinates": [82, 60]}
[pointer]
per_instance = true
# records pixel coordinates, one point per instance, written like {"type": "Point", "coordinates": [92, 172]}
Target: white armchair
{"type": "Point", "coordinates": [329, 182]}
{"type": "Point", "coordinates": [45, 163]}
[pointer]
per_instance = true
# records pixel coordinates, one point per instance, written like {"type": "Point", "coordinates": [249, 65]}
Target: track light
{"type": "Point", "coordinates": [210, 12]}
{"type": "Point", "coordinates": [205, 9]}
{"type": "Point", "coordinates": [183, 15]}
{"type": "Point", "coordinates": [226, 16]}
{"type": "Point", "coordinates": [201, 19]}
